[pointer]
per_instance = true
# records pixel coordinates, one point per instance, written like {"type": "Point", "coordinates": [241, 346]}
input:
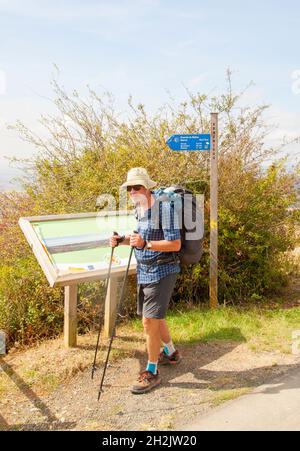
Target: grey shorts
{"type": "Point", "coordinates": [153, 298]}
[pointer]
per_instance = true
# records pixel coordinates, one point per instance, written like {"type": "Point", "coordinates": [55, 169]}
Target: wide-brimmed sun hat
{"type": "Point", "coordinates": [139, 176]}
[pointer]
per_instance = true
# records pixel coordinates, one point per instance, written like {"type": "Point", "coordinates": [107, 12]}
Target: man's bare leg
{"type": "Point", "coordinates": [152, 331]}
{"type": "Point", "coordinates": [150, 378]}
{"type": "Point", "coordinates": [164, 331]}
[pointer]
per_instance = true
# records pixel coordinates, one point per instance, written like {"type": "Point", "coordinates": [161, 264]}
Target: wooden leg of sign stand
{"type": "Point", "coordinates": [70, 323]}
{"type": "Point", "coordinates": [111, 306]}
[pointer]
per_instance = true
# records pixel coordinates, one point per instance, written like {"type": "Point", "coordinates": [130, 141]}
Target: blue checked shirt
{"type": "Point", "coordinates": [158, 223]}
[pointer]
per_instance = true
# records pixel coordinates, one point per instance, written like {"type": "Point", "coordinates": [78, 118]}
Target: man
{"type": "Point", "coordinates": [155, 244]}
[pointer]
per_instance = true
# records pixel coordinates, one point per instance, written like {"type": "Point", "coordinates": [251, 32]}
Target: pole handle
{"type": "Point", "coordinates": [119, 240]}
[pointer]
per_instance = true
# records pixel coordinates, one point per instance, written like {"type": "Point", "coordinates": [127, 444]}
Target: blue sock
{"type": "Point", "coordinates": [169, 348]}
{"type": "Point", "coordinates": [152, 366]}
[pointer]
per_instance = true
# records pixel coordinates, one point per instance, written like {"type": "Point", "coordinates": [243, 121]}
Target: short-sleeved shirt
{"type": "Point", "coordinates": [158, 223]}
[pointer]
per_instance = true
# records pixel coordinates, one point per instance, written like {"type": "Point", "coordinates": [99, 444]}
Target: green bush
{"type": "Point", "coordinates": [29, 308]}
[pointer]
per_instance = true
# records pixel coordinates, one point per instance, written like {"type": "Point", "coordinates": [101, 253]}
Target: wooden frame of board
{"type": "Point", "coordinates": [42, 257]}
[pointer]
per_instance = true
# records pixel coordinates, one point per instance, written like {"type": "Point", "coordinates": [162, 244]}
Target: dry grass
{"type": "Point", "coordinates": [229, 395]}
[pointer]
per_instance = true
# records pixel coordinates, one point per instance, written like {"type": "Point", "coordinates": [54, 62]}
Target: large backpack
{"type": "Point", "coordinates": [191, 222]}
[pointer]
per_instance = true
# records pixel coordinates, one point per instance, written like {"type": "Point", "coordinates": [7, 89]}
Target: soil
{"type": "Point", "coordinates": [206, 373]}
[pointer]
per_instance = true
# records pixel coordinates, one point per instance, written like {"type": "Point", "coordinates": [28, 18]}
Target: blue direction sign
{"type": "Point", "coordinates": [189, 142]}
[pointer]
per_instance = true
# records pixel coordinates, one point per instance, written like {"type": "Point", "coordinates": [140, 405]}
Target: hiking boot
{"type": "Point", "coordinates": [146, 382]}
{"type": "Point", "coordinates": [172, 359]}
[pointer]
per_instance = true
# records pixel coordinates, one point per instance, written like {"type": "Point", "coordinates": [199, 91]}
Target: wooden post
{"type": "Point", "coordinates": [111, 302]}
{"type": "Point", "coordinates": [213, 286]}
{"type": "Point", "coordinates": [70, 324]}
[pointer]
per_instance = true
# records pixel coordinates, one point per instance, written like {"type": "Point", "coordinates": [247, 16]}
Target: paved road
{"type": "Point", "coordinates": [271, 407]}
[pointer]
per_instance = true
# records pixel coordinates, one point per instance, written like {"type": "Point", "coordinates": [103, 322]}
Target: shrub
{"type": "Point", "coordinates": [29, 308]}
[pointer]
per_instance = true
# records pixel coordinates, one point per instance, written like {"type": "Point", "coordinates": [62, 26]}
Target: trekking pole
{"type": "Point", "coordinates": [114, 328]}
{"type": "Point", "coordinates": [100, 322]}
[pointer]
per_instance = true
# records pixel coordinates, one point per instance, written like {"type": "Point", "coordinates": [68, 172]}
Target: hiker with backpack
{"type": "Point", "coordinates": [156, 244]}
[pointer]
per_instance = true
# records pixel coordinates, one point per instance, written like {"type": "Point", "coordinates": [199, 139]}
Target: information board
{"type": "Point", "coordinates": [76, 247]}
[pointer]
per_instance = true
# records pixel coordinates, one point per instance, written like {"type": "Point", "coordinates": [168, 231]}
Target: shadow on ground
{"type": "Point", "coordinates": [191, 374]}
{"type": "Point", "coordinates": [52, 420]}
{"type": "Point", "coordinates": [196, 358]}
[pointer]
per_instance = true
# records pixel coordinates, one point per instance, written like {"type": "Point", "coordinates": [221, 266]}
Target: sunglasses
{"type": "Point", "coordinates": [134, 187]}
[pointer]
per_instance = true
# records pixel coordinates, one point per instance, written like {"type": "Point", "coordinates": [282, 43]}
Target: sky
{"type": "Point", "coordinates": [147, 49]}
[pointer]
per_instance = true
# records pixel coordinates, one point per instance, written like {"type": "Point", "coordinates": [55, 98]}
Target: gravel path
{"type": "Point", "coordinates": [208, 375]}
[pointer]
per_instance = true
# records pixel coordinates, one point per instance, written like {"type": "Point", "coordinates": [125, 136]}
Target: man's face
{"type": "Point", "coordinates": [138, 193]}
